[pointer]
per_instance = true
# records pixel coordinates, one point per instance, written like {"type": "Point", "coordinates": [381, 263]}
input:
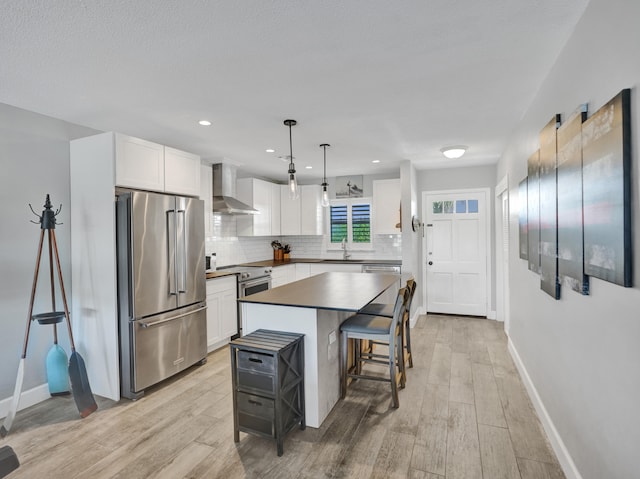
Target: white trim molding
{"type": "Point", "coordinates": [566, 462]}
{"type": "Point", "coordinates": [27, 399]}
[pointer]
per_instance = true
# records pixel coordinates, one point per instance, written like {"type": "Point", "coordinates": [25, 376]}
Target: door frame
{"type": "Point", "coordinates": [502, 271]}
{"type": "Point", "coordinates": [491, 314]}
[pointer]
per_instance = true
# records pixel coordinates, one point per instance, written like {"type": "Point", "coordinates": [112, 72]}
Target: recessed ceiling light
{"type": "Point", "coordinates": [375, 161]}
{"type": "Point", "coordinates": [308, 167]}
{"type": "Point", "coordinates": [453, 152]}
{"type": "Point", "coordinates": [204, 123]}
{"type": "Point", "coordinates": [270, 150]}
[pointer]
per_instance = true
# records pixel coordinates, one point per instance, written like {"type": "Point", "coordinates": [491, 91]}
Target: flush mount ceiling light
{"type": "Point", "coordinates": [293, 184]}
{"type": "Point", "coordinates": [204, 123]}
{"type": "Point", "coordinates": [375, 161]}
{"type": "Point", "coordinates": [325, 193]}
{"type": "Point", "coordinates": [453, 152]}
{"type": "Point", "coordinates": [270, 150]}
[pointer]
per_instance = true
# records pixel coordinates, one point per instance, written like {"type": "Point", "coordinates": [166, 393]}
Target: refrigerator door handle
{"type": "Point", "coordinates": [182, 288]}
{"type": "Point", "coordinates": [166, 320]}
{"type": "Point", "coordinates": [171, 248]}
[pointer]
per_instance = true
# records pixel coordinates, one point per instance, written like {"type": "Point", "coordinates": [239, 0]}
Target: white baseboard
{"type": "Point", "coordinates": [491, 315]}
{"type": "Point", "coordinates": [566, 462]}
{"type": "Point", "coordinates": [414, 319]}
{"type": "Point", "coordinates": [27, 399]}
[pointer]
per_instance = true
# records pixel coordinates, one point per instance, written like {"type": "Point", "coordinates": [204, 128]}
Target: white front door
{"type": "Point", "coordinates": [456, 252]}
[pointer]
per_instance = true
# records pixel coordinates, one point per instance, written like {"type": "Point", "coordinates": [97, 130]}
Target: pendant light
{"type": "Point", "coordinates": [293, 184]}
{"type": "Point", "coordinates": [325, 193]}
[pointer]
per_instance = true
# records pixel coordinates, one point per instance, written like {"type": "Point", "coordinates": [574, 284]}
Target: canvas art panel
{"type": "Point", "coordinates": [570, 228]}
{"type": "Point", "coordinates": [522, 220]}
{"type": "Point", "coordinates": [548, 209]}
{"type": "Point", "coordinates": [606, 173]}
{"type": "Point", "coordinates": [533, 211]}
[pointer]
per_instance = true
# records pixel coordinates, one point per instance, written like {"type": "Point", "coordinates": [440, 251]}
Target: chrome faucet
{"type": "Point", "coordinates": [345, 254]}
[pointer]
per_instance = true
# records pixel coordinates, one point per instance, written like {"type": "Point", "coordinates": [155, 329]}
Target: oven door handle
{"type": "Point", "coordinates": [257, 281]}
{"type": "Point", "coordinates": [160, 321]}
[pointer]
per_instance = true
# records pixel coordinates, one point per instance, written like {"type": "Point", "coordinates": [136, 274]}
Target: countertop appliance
{"type": "Point", "coordinates": [251, 280]}
{"type": "Point", "coordinates": [161, 287]}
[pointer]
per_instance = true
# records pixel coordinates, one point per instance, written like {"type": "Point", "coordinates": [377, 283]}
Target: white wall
{"type": "Point", "coordinates": [34, 155]}
{"type": "Point", "coordinates": [582, 353]}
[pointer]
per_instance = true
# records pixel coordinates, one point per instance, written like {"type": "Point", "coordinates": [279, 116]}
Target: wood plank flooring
{"type": "Point", "coordinates": [464, 414]}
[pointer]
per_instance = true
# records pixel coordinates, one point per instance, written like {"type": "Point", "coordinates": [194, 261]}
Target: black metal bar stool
{"type": "Point", "coordinates": [386, 310]}
{"type": "Point", "coordinates": [369, 327]}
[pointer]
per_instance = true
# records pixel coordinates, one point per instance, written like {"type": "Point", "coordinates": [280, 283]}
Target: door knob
{"type": "Point", "coordinates": [430, 263]}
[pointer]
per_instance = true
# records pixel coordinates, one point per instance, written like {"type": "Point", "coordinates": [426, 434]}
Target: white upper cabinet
{"type": "Point", "coordinates": [289, 213]}
{"type": "Point", "coordinates": [386, 206]}
{"type": "Point", "coordinates": [303, 216]}
{"type": "Point", "coordinates": [181, 172]}
{"type": "Point", "coordinates": [275, 209]}
{"type": "Point", "coordinates": [146, 165]}
{"type": "Point", "coordinates": [260, 195]}
{"type": "Point", "coordinates": [311, 210]}
{"type": "Point", "coordinates": [139, 163]}
{"type": "Point", "coordinates": [206, 186]}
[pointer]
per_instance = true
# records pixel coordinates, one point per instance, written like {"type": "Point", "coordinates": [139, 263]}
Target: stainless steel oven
{"type": "Point", "coordinates": [251, 280]}
{"type": "Point", "coordinates": [252, 286]}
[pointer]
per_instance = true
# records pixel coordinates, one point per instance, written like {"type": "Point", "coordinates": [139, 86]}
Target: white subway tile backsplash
{"type": "Point", "coordinates": [232, 249]}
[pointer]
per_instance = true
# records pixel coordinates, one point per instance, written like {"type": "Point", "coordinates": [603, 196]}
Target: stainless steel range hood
{"type": "Point", "coordinates": [224, 192]}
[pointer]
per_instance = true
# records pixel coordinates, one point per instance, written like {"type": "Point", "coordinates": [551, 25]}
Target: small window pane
{"type": "Point", "coordinates": [338, 223]}
{"type": "Point", "coordinates": [448, 207]}
{"type": "Point", "coordinates": [437, 207]}
{"type": "Point", "coordinates": [461, 206]}
{"type": "Point", "coordinates": [361, 223]}
{"type": "Point", "coordinates": [473, 206]}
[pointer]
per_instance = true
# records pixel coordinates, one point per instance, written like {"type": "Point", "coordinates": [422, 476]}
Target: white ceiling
{"type": "Point", "coordinates": [377, 79]}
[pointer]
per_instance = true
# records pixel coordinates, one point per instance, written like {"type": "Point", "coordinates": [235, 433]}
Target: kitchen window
{"type": "Point", "coordinates": [351, 219]}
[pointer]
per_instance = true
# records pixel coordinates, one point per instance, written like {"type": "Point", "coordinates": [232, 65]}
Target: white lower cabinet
{"type": "Point", "coordinates": [302, 271]}
{"type": "Point", "coordinates": [222, 311]}
{"type": "Point", "coordinates": [282, 275]}
{"type": "Point", "coordinates": [319, 268]}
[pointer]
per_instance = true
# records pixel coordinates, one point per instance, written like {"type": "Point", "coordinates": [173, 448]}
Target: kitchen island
{"type": "Point", "coordinates": [316, 307]}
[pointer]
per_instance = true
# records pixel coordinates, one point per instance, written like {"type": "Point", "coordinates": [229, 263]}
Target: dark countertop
{"type": "Point", "coordinates": [218, 274]}
{"type": "Point", "coordinates": [273, 264]}
{"type": "Point", "coordinates": [335, 291]}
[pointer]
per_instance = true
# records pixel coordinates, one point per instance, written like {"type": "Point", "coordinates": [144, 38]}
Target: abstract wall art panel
{"type": "Point", "coordinates": [606, 176]}
{"type": "Point", "coordinates": [570, 227]}
{"type": "Point", "coordinates": [533, 211]}
{"type": "Point", "coordinates": [522, 220]}
{"type": "Point", "coordinates": [548, 209]}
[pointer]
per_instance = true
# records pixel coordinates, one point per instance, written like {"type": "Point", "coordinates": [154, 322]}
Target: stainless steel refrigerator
{"type": "Point", "coordinates": [161, 287]}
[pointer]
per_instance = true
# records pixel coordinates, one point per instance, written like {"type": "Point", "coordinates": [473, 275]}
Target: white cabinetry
{"type": "Point", "coordinates": [206, 178]}
{"type": "Point", "coordinates": [265, 197]}
{"type": "Point", "coordinates": [283, 275]}
{"type": "Point", "coordinates": [302, 271]}
{"type": "Point", "coordinates": [222, 311]}
{"type": "Point", "coordinates": [181, 172]}
{"type": "Point", "coordinates": [139, 163]}
{"type": "Point", "coordinates": [276, 196]}
{"type": "Point", "coordinates": [303, 216]}
{"type": "Point", "coordinates": [289, 213]}
{"type": "Point", "coordinates": [318, 268]}
{"type": "Point", "coordinates": [146, 165]}
{"type": "Point", "coordinates": [311, 210]}
{"type": "Point", "coordinates": [386, 206]}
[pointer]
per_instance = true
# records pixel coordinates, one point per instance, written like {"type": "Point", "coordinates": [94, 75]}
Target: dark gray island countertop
{"type": "Point", "coordinates": [334, 291]}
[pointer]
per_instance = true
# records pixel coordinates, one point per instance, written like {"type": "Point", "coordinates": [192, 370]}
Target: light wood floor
{"type": "Point", "coordinates": [463, 414]}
